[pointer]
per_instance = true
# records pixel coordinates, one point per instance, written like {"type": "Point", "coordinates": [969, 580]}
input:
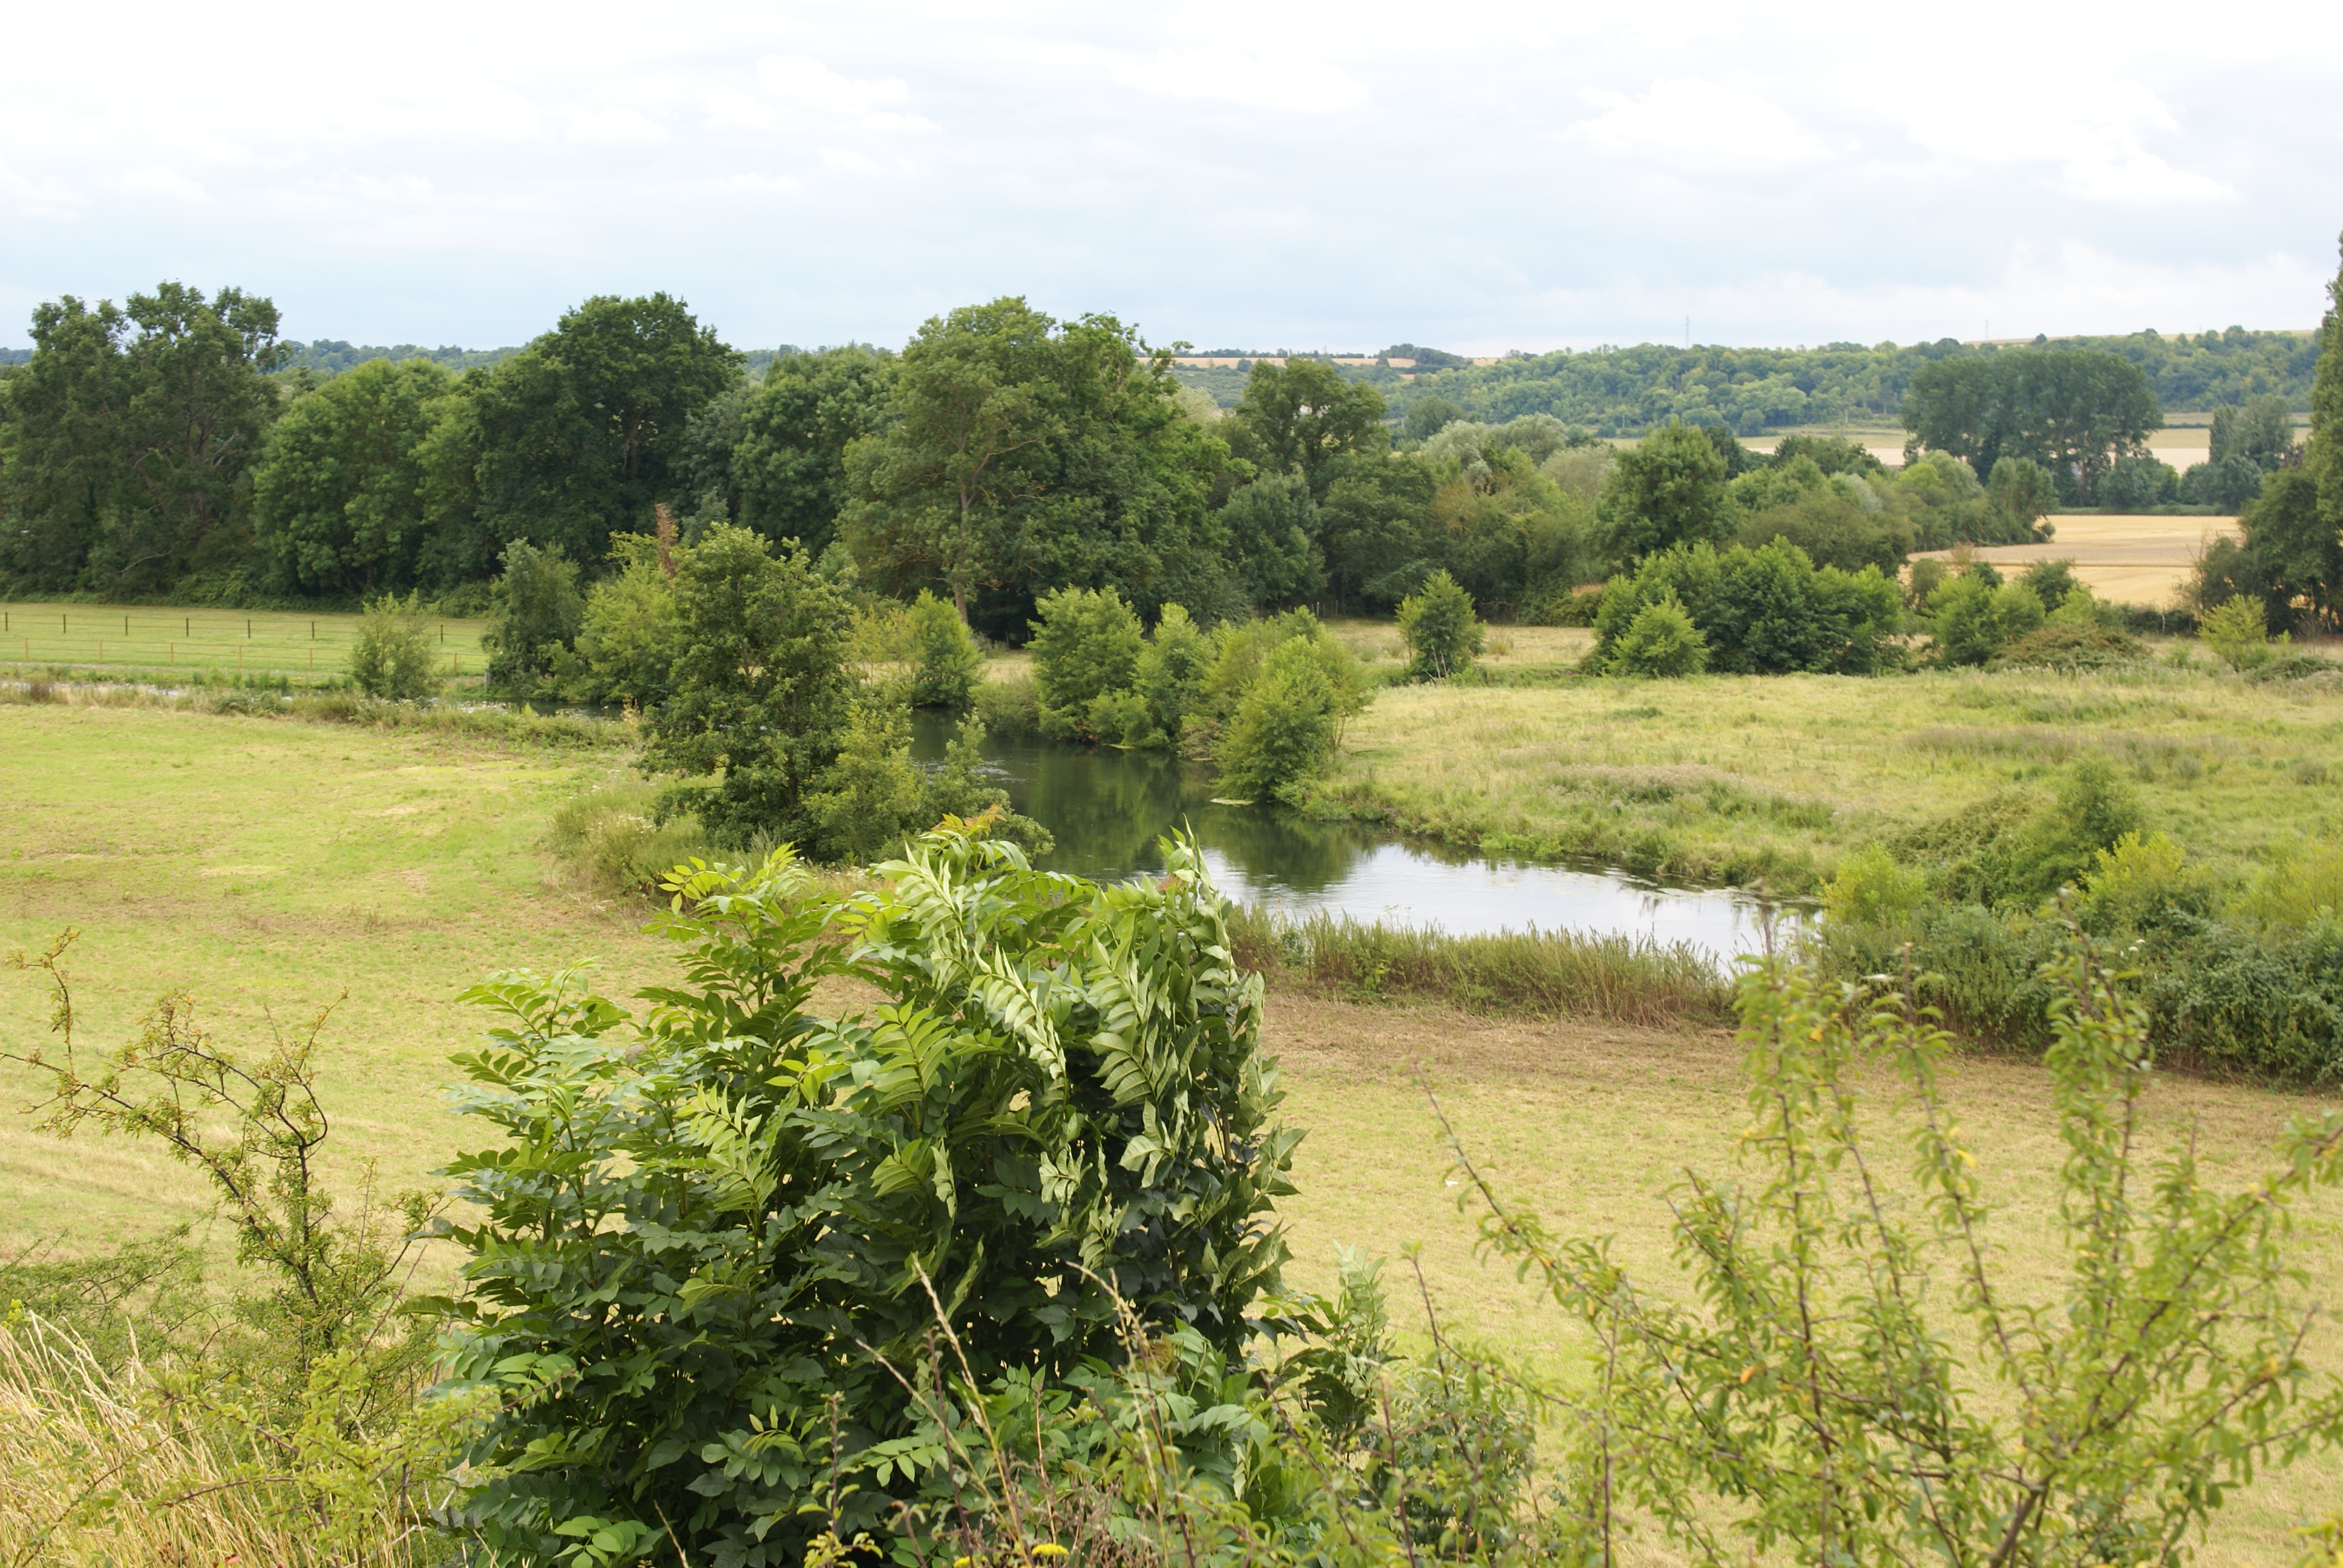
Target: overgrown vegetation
{"type": "Point", "coordinates": [750, 1285]}
{"type": "Point", "coordinates": [302, 1389]}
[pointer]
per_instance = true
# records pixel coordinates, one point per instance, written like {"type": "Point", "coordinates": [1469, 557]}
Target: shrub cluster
{"type": "Point", "coordinates": [1769, 610]}
{"type": "Point", "coordinates": [1264, 700]}
{"type": "Point", "coordinates": [2246, 981]}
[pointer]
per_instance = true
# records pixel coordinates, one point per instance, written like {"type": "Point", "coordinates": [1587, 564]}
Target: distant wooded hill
{"type": "Point", "coordinates": [1624, 391]}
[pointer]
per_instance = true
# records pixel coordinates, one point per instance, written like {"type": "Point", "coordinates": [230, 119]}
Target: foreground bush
{"type": "Point", "coordinates": [281, 1417]}
{"type": "Point", "coordinates": [1813, 1404]}
{"type": "Point", "coordinates": [716, 1241]}
{"type": "Point", "coordinates": [1444, 636]}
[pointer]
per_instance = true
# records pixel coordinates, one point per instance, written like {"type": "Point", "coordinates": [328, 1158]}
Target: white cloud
{"type": "Point", "coordinates": [1690, 123]}
{"type": "Point", "coordinates": [1294, 83]}
{"type": "Point", "coordinates": [807, 83]}
{"type": "Point", "coordinates": [42, 198]}
{"type": "Point", "coordinates": [157, 180]}
{"type": "Point", "coordinates": [2091, 139]}
{"type": "Point", "coordinates": [614, 126]}
{"type": "Point", "coordinates": [1497, 173]}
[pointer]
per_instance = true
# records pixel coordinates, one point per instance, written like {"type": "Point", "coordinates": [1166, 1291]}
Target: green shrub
{"type": "Point", "coordinates": [1086, 641]}
{"type": "Point", "coordinates": [1170, 671]}
{"type": "Point", "coordinates": [626, 632]}
{"type": "Point", "coordinates": [1444, 636]}
{"type": "Point", "coordinates": [1872, 888]}
{"type": "Point", "coordinates": [2140, 884]}
{"type": "Point", "coordinates": [2304, 886]}
{"type": "Point", "coordinates": [2052, 581]}
{"type": "Point", "coordinates": [2237, 631]}
{"type": "Point", "coordinates": [1765, 611]}
{"type": "Point", "coordinates": [2166, 1366]}
{"type": "Point", "coordinates": [1120, 718]}
{"type": "Point", "coordinates": [1975, 618]}
{"type": "Point", "coordinates": [2071, 645]}
{"type": "Point", "coordinates": [2022, 493]}
{"type": "Point", "coordinates": [1010, 709]}
{"type": "Point", "coordinates": [391, 657]}
{"type": "Point", "coordinates": [2297, 665]}
{"type": "Point", "coordinates": [762, 692]}
{"type": "Point", "coordinates": [1924, 578]}
{"type": "Point", "coordinates": [1661, 642]}
{"type": "Point", "coordinates": [537, 613]}
{"type": "Point", "coordinates": [872, 797]}
{"type": "Point", "coordinates": [1284, 727]}
{"type": "Point", "coordinates": [949, 664]}
{"type": "Point", "coordinates": [1564, 606]}
{"type": "Point", "coordinates": [709, 1241]}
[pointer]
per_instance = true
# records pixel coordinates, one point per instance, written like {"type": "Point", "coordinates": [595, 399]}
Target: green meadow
{"type": "Point", "coordinates": [168, 643]}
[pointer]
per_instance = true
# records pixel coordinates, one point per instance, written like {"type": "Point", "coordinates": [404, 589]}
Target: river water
{"type": "Point", "coordinates": [1108, 807]}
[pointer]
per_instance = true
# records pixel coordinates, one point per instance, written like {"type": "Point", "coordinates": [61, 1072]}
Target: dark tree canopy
{"type": "Point", "coordinates": [2073, 410]}
{"type": "Point", "coordinates": [574, 439]}
{"type": "Point", "coordinates": [1019, 453]}
{"type": "Point", "coordinates": [1298, 417]}
{"type": "Point", "coordinates": [340, 504]}
{"type": "Point", "coordinates": [788, 471]}
{"type": "Point", "coordinates": [1666, 491]}
{"type": "Point", "coordinates": [132, 438]}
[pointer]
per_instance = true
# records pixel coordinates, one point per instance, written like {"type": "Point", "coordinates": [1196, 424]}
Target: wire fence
{"type": "Point", "coordinates": [253, 642]}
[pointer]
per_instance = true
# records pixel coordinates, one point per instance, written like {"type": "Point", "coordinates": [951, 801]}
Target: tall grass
{"type": "Point", "coordinates": [111, 1467]}
{"type": "Point", "coordinates": [609, 837]}
{"type": "Point", "coordinates": [1541, 973]}
{"type": "Point", "coordinates": [487, 721]}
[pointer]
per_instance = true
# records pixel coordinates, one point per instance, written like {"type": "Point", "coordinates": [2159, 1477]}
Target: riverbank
{"type": "Point", "coordinates": [1771, 780]}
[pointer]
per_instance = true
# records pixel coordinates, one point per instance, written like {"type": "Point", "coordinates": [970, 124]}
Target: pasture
{"type": "Point", "coordinates": [274, 867]}
{"type": "Point", "coordinates": [1771, 778]}
{"type": "Point", "coordinates": [169, 643]}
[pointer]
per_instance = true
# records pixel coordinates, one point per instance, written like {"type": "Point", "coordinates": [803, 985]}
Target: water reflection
{"type": "Point", "coordinates": [1106, 809]}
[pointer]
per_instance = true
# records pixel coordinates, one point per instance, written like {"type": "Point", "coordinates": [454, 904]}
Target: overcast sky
{"type": "Point", "coordinates": [1475, 176]}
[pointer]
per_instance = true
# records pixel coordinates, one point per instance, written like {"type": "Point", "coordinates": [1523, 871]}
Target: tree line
{"type": "Point", "coordinates": [1749, 391]}
{"type": "Point", "coordinates": [173, 447]}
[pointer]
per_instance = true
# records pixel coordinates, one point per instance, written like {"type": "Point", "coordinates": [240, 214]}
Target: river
{"type": "Point", "coordinates": [1108, 807]}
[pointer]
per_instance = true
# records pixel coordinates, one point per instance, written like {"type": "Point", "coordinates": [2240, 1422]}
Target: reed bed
{"type": "Point", "coordinates": [1543, 974]}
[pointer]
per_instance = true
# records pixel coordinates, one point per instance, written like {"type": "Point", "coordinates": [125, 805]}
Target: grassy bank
{"type": "Point", "coordinates": [271, 867]}
{"type": "Point", "coordinates": [1772, 779]}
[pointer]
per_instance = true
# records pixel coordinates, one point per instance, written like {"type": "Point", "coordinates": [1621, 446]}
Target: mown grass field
{"type": "Point", "coordinates": [270, 866]}
{"type": "Point", "coordinates": [166, 643]}
{"type": "Point", "coordinates": [1750, 780]}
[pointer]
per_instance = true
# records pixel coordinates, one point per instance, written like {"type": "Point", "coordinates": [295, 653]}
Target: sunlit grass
{"type": "Point", "coordinates": [1773, 779]}
{"type": "Point", "coordinates": [168, 642]}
